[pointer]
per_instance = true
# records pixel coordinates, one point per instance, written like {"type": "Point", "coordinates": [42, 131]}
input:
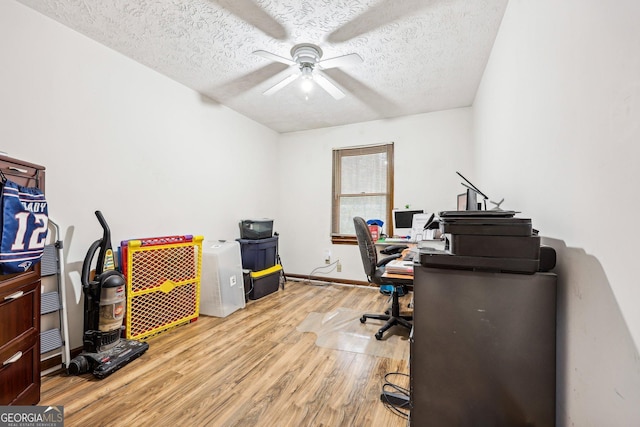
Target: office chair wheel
{"type": "Point", "coordinates": [378, 335]}
{"type": "Point", "coordinates": [363, 319]}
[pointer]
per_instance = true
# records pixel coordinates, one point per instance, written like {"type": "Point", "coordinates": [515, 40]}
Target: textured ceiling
{"type": "Point", "coordinates": [418, 55]}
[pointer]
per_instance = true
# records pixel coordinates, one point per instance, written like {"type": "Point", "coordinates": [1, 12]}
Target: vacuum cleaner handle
{"type": "Point", "coordinates": [106, 243]}
{"type": "Point", "coordinates": [86, 265]}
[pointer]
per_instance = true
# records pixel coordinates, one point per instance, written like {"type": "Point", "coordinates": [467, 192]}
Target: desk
{"type": "Point", "coordinates": [434, 244]}
{"type": "Point", "coordinates": [430, 243]}
{"type": "Point", "coordinates": [395, 241]}
{"type": "Point", "coordinates": [404, 279]}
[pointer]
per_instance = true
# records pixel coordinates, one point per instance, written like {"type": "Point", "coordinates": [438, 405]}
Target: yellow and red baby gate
{"type": "Point", "coordinates": [163, 283]}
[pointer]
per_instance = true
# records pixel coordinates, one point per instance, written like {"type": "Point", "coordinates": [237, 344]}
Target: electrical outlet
{"type": "Point", "coordinates": [327, 257]}
{"type": "Point", "coordinates": [339, 267]}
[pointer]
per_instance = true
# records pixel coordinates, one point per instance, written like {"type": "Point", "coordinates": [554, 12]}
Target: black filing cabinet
{"type": "Point", "coordinates": [483, 349]}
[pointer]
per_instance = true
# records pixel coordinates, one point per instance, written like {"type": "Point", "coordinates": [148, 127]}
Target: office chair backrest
{"type": "Point", "coordinates": [367, 247]}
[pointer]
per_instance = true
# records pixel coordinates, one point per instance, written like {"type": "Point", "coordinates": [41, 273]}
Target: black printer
{"type": "Point", "coordinates": [493, 240]}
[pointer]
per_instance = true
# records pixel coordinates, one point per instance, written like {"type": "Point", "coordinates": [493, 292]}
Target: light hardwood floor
{"type": "Point", "coordinates": [251, 368]}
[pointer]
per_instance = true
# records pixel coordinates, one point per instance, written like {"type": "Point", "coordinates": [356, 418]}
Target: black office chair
{"type": "Point", "coordinates": [374, 270]}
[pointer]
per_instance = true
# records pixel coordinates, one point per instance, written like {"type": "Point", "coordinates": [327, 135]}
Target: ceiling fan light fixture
{"type": "Point", "coordinates": [306, 71]}
{"type": "Point", "coordinates": [306, 84]}
{"type": "Point", "coordinates": [306, 78]}
{"type": "Point", "coordinates": [307, 58]}
{"type": "Point", "coordinates": [306, 53]}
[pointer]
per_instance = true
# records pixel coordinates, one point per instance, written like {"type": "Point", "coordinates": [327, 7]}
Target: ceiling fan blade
{"type": "Point", "coordinates": [283, 83]}
{"type": "Point", "coordinates": [251, 13]}
{"type": "Point", "coordinates": [370, 97]}
{"type": "Point", "coordinates": [245, 82]}
{"type": "Point", "coordinates": [341, 61]}
{"type": "Point", "coordinates": [274, 57]}
{"type": "Point", "coordinates": [383, 13]}
{"type": "Point", "coordinates": [325, 83]}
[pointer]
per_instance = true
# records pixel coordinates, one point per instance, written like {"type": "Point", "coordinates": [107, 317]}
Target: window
{"type": "Point", "coordinates": [362, 186]}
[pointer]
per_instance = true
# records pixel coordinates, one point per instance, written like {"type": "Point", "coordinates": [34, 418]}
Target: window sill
{"type": "Point", "coordinates": [344, 240]}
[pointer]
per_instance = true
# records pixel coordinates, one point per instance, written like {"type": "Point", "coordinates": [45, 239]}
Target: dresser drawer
{"type": "Point", "coordinates": [19, 342]}
{"type": "Point", "coordinates": [19, 312]}
{"type": "Point", "coordinates": [20, 378]}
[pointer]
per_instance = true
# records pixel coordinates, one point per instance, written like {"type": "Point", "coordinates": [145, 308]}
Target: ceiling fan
{"type": "Point", "coordinates": [307, 59]}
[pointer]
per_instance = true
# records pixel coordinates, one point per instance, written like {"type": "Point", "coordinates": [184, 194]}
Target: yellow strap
{"type": "Point", "coordinates": [266, 272]}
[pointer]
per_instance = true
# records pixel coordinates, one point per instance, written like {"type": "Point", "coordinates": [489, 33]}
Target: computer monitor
{"type": "Point", "coordinates": [472, 203]}
{"type": "Point", "coordinates": [403, 220]}
{"type": "Point", "coordinates": [472, 200]}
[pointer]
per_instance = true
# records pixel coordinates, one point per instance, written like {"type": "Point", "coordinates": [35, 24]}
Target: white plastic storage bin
{"type": "Point", "coordinates": [221, 283]}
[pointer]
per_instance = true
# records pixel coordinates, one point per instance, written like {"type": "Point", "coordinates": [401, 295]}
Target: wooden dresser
{"type": "Point", "coordinates": [20, 312]}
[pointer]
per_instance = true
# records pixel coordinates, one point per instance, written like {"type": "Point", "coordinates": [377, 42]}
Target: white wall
{"type": "Point", "coordinates": [115, 136]}
{"type": "Point", "coordinates": [557, 125]}
{"type": "Point", "coordinates": [428, 149]}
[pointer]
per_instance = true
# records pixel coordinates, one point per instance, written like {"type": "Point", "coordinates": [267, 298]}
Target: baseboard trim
{"type": "Point", "coordinates": [47, 365]}
{"type": "Point", "coordinates": [329, 280]}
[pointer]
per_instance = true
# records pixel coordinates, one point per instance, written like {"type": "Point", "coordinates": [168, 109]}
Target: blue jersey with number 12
{"type": "Point", "coordinates": [24, 227]}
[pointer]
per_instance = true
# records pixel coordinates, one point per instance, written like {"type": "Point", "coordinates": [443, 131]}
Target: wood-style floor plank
{"type": "Point", "coordinates": [251, 368]}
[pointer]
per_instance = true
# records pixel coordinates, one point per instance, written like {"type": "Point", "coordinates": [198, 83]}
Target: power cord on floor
{"type": "Point", "coordinates": [332, 267]}
{"type": "Point", "coordinates": [246, 294]}
{"type": "Point", "coordinates": [394, 397]}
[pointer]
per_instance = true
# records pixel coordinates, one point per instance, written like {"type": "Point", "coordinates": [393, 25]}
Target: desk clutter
{"type": "Point", "coordinates": [402, 265]}
{"type": "Point", "coordinates": [489, 240]}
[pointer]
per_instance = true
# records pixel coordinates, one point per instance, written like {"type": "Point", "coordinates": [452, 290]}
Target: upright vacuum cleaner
{"type": "Point", "coordinates": [104, 351]}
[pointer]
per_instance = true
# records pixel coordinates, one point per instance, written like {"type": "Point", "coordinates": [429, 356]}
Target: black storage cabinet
{"type": "Point", "coordinates": [483, 348]}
